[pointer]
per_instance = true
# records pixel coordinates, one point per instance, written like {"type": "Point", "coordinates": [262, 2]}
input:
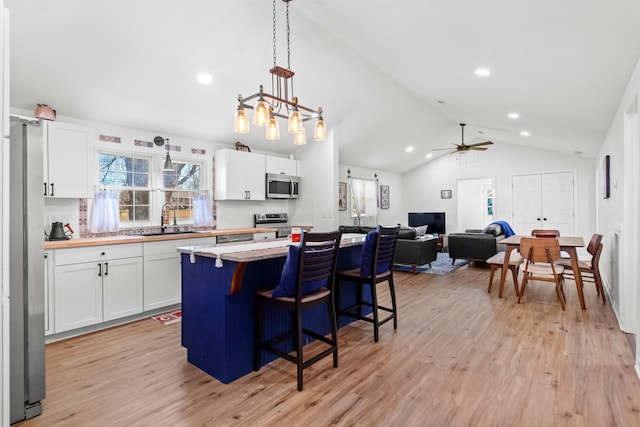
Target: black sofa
{"type": "Point", "coordinates": [476, 245]}
{"type": "Point", "coordinates": [411, 249]}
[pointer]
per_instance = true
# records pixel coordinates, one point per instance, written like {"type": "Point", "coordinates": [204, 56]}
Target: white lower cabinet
{"type": "Point", "coordinates": [121, 288]}
{"type": "Point", "coordinates": [96, 284]}
{"type": "Point", "coordinates": [162, 273]}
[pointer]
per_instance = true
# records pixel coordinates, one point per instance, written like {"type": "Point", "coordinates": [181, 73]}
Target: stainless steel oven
{"type": "Point", "coordinates": [282, 186]}
{"type": "Point", "coordinates": [279, 221]}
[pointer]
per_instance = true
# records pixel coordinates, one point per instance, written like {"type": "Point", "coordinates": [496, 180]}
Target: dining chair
{"type": "Point", "coordinates": [497, 262]}
{"type": "Point", "coordinates": [545, 233]}
{"type": "Point", "coordinates": [589, 271]}
{"type": "Point", "coordinates": [376, 267]}
{"type": "Point", "coordinates": [541, 255]}
{"type": "Point", "coordinates": [307, 281]}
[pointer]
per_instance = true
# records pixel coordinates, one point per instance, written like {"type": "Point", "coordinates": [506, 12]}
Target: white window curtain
{"type": "Point", "coordinates": [202, 210]}
{"type": "Point", "coordinates": [104, 218]}
{"type": "Point", "coordinates": [364, 201]}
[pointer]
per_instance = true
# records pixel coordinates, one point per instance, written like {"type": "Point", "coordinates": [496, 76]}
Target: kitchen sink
{"type": "Point", "coordinates": [167, 233]}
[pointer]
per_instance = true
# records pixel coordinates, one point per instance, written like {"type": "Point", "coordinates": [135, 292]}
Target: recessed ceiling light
{"type": "Point", "coordinates": [429, 155]}
{"type": "Point", "coordinates": [409, 149]}
{"type": "Point", "coordinates": [483, 72]}
{"type": "Point", "coordinates": [513, 115]}
{"type": "Point", "coordinates": [205, 78]}
{"type": "Point", "coordinates": [525, 133]}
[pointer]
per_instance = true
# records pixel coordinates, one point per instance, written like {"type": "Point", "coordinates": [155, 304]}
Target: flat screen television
{"type": "Point", "coordinates": [436, 221]}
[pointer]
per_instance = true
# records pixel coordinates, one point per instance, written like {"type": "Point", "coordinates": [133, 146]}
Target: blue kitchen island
{"type": "Point", "coordinates": [218, 292]}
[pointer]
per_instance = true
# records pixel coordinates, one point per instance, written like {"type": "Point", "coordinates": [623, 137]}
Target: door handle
{"type": "Point", "coordinates": [45, 188]}
{"type": "Point", "coordinates": [51, 189]}
{"type": "Point", "coordinates": [538, 219]}
{"type": "Point", "coordinates": [544, 219]}
{"type": "Point", "coordinates": [99, 269]}
{"type": "Point", "coordinates": [106, 268]}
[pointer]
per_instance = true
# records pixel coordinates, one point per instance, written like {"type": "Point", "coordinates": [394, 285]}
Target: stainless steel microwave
{"type": "Point", "coordinates": [282, 186]}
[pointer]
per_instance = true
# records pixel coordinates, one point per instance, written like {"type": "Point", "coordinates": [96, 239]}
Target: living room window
{"type": "Point", "coordinates": [363, 200]}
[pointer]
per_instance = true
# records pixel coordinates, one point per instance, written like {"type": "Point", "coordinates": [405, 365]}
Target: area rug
{"type": "Point", "coordinates": [440, 266]}
{"type": "Point", "coordinates": [168, 318]}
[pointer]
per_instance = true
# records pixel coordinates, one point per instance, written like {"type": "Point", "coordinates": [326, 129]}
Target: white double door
{"type": "Point", "coordinates": [544, 201]}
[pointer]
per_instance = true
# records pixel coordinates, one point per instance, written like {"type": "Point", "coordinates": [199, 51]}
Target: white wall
{"type": "Point", "coordinates": [622, 210]}
{"type": "Point", "coordinates": [318, 202]}
{"type": "Point", "coordinates": [422, 185]}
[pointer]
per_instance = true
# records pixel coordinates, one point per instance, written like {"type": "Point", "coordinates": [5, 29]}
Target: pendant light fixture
{"type": "Point", "coordinates": [277, 104]}
{"type": "Point", "coordinates": [160, 141]}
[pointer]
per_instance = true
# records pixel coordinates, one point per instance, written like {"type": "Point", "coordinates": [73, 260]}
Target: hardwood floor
{"type": "Point", "coordinates": [460, 357]}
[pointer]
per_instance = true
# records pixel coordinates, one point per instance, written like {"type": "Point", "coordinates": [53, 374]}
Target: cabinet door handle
{"type": "Point", "coordinates": [544, 219]}
{"type": "Point", "coordinates": [45, 188]}
{"type": "Point", "coordinates": [106, 268]}
{"type": "Point", "coordinates": [99, 269]}
{"type": "Point", "coordinates": [51, 189]}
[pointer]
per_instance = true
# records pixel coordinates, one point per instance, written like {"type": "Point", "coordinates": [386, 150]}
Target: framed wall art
{"type": "Point", "coordinates": [342, 196]}
{"type": "Point", "coordinates": [384, 197]}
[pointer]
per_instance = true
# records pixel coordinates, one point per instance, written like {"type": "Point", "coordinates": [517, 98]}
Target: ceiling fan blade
{"type": "Point", "coordinates": [442, 149]}
{"type": "Point", "coordinates": [481, 143]}
{"type": "Point", "coordinates": [479, 148]}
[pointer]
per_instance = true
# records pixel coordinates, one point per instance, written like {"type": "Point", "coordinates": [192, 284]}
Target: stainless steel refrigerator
{"type": "Point", "coordinates": [26, 269]}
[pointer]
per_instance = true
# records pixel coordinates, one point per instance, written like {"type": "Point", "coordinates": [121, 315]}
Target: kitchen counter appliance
{"type": "Point", "coordinates": [279, 221]}
{"type": "Point", "coordinates": [282, 186]}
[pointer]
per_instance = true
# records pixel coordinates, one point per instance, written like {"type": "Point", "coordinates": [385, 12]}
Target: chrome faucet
{"type": "Point", "coordinates": [162, 225]}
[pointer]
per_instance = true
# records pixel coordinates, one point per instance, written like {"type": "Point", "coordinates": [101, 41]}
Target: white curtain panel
{"type": "Point", "coordinates": [202, 216]}
{"type": "Point", "coordinates": [104, 218]}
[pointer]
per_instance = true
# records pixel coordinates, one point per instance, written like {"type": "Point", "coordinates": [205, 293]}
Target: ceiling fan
{"type": "Point", "coordinates": [463, 148]}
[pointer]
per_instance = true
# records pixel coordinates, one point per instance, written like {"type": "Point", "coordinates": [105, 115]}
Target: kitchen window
{"type": "Point", "coordinates": [179, 186]}
{"type": "Point", "coordinates": [130, 176]}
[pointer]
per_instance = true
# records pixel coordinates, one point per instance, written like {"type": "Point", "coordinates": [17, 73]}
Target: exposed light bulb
{"type": "Point", "coordinates": [300, 137]}
{"type": "Point", "coordinates": [240, 122]}
{"type": "Point", "coordinates": [273, 129]}
{"type": "Point", "coordinates": [295, 123]}
{"type": "Point", "coordinates": [320, 131]}
{"type": "Point", "coordinates": [260, 113]}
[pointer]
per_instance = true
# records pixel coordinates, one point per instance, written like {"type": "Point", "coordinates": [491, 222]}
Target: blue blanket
{"type": "Point", "coordinates": [508, 231]}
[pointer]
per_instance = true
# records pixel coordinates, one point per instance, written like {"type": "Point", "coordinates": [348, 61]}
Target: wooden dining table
{"type": "Point", "coordinates": [567, 244]}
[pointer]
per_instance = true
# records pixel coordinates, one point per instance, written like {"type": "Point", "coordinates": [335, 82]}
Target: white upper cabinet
{"type": "Point", "coordinates": [239, 175]}
{"type": "Point", "coordinates": [281, 166]}
{"type": "Point", "coordinates": [66, 160]}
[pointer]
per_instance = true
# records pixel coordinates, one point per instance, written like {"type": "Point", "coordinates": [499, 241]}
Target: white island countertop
{"type": "Point", "coordinates": [255, 251]}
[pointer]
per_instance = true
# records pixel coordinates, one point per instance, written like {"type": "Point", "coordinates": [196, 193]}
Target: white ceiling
{"type": "Point", "coordinates": [388, 74]}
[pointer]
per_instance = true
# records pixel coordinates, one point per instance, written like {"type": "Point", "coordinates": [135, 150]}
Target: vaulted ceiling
{"type": "Point", "coordinates": [388, 74]}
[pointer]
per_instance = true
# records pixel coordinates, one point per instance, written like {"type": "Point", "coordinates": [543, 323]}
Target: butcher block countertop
{"type": "Point", "coordinates": [118, 240]}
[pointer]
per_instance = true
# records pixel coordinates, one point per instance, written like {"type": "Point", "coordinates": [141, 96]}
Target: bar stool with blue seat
{"type": "Point", "coordinates": [306, 282]}
{"type": "Point", "coordinates": [376, 267]}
